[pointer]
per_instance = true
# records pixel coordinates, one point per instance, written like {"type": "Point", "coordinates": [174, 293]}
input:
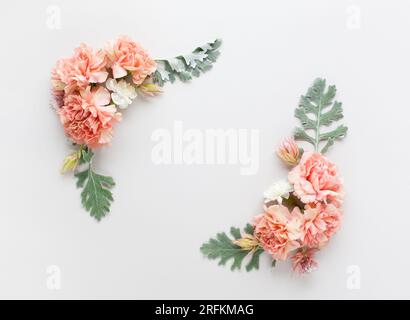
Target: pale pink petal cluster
{"type": "Point", "coordinates": [278, 230]}
{"type": "Point", "coordinates": [303, 262]}
{"type": "Point", "coordinates": [125, 56]}
{"type": "Point", "coordinates": [88, 118]}
{"type": "Point", "coordinates": [319, 224]}
{"type": "Point", "coordinates": [315, 179]}
{"type": "Point", "coordinates": [79, 88]}
{"type": "Point", "coordinates": [85, 67]}
{"type": "Point", "coordinates": [304, 222]}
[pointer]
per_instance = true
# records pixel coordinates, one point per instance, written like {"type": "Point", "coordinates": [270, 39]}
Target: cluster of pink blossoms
{"type": "Point", "coordinates": [311, 214]}
{"type": "Point", "coordinates": [87, 93]}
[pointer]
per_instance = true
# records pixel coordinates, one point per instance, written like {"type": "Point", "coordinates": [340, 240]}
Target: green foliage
{"type": "Point", "coordinates": [254, 262]}
{"type": "Point", "coordinates": [317, 109]}
{"type": "Point", "coordinates": [86, 155]}
{"type": "Point", "coordinates": [224, 249]}
{"type": "Point", "coordinates": [248, 229]}
{"type": "Point", "coordinates": [185, 67]}
{"type": "Point", "coordinates": [96, 196]}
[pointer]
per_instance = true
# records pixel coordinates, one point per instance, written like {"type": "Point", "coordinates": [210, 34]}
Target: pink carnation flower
{"type": "Point", "coordinates": [77, 72]}
{"type": "Point", "coordinates": [61, 74]}
{"type": "Point", "coordinates": [126, 55]}
{"type": "Point", "coordinates": [315, 179]}
{"type": "Point", "coordinates": [87, 118]}
{"type": "Point", "coordinates": [303, 262]}
{"type": "Point", "coordinates": [319, 224]}
{"type": "Point", "coordinates": [278, 230]}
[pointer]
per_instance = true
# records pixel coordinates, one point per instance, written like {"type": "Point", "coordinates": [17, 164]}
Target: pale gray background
{"type": "Point", "coordinates": [149, 245]}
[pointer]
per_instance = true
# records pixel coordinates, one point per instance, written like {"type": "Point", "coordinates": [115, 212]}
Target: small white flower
{"type": "Point", "coordinates": [278, 190]}
{"type": "Point", "coordinates": [122, 92]}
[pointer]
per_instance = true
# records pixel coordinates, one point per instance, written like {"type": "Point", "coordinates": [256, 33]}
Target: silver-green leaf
{"type": "Point", "coordinates": [185, 67]}
{"type": "Point", "coordinates": [96, 196]}
{"type": "Point", "coordinates": [222, 247]}
{"type": "Point", "coordinates": [317, 109]}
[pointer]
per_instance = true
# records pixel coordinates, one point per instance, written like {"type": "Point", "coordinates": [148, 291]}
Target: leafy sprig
{"type": "Point", "coordinates": [185, 67]}
{"type": "Point", "coordinates": [224, 248]}
{"type": "Point", "coordinates": [317, 109]}
{"type": "Point", "coordinates": [96, 196]}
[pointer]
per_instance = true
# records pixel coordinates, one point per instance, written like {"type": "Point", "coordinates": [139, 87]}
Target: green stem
{"type": "Point", "coordinates": [319, 106]}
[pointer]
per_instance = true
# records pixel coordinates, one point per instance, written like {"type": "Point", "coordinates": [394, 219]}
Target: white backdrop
{"type": "Point", "coordinates": [148, 247]}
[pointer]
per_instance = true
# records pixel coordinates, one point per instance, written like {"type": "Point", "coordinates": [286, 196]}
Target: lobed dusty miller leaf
{"type": "Point", "coordinates": [317, 109]}
{"type": "Point", "coordinates": [185, 67]}
{"type": "Point", "coordinates": [223, 248]}
{"type": "Point", "coordinates": [96, 196]}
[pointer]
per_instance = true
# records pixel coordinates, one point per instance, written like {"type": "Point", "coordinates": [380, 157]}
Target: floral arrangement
{"type": "Point", "coordinates": [92, 88]}
{"type": "Point", "coordinates": [302, 212]}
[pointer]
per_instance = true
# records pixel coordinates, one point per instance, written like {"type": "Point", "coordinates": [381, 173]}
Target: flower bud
{"type": "Point", "coordinates": [289, 152]}
{"type": "Point", "coordinates": [71, 161]}
{"type": "Point", "coordinates": [247, 243]}
{"type": "Point", "coordinates": [150, 89]}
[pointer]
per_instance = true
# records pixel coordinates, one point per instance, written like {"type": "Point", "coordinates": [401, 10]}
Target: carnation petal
{"type": "Point", "coordinates": [118, 71]}
{"type": "Point", "coordinates": [105, 136]}
{"type": "Point", "coordinates": [98, 77]}
{"type": "Point", "coordinates": [101, 96]}
{"type": "Point", "coordinates": [119, 100]}
{"type": "Point", "coordinates": [111, 84]}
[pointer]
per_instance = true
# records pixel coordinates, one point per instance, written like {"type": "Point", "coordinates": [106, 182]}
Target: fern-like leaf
{"type": "Point", "coordinates": [317, 109]}
{"type": "Point", "coordinates": [185, 67]}
{"type": "Point", "coordinates": [223, 248]}
{"type": "Point", "coordinates": [96, 196]}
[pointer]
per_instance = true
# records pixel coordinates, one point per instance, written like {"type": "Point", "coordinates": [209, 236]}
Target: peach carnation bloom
{"type": "Point", "coordinates": [278, 230]}
{"type": "Point", "coordinates": [77, 72]}
{"type": "Point", "coordinates": [315, 179]}
{"type": "Point", "coordinates": [126, 55]}
{"type": "Point", "coordinates": [303, 262]}
{"type": "Point", "coordinates": [319, 224]}
{"type": "Point", "coordinates": [87, 118]}
{"type": "Point", "coordinates": [60, 74]}
{"type": "Point", "coordinates": [289, 152]}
